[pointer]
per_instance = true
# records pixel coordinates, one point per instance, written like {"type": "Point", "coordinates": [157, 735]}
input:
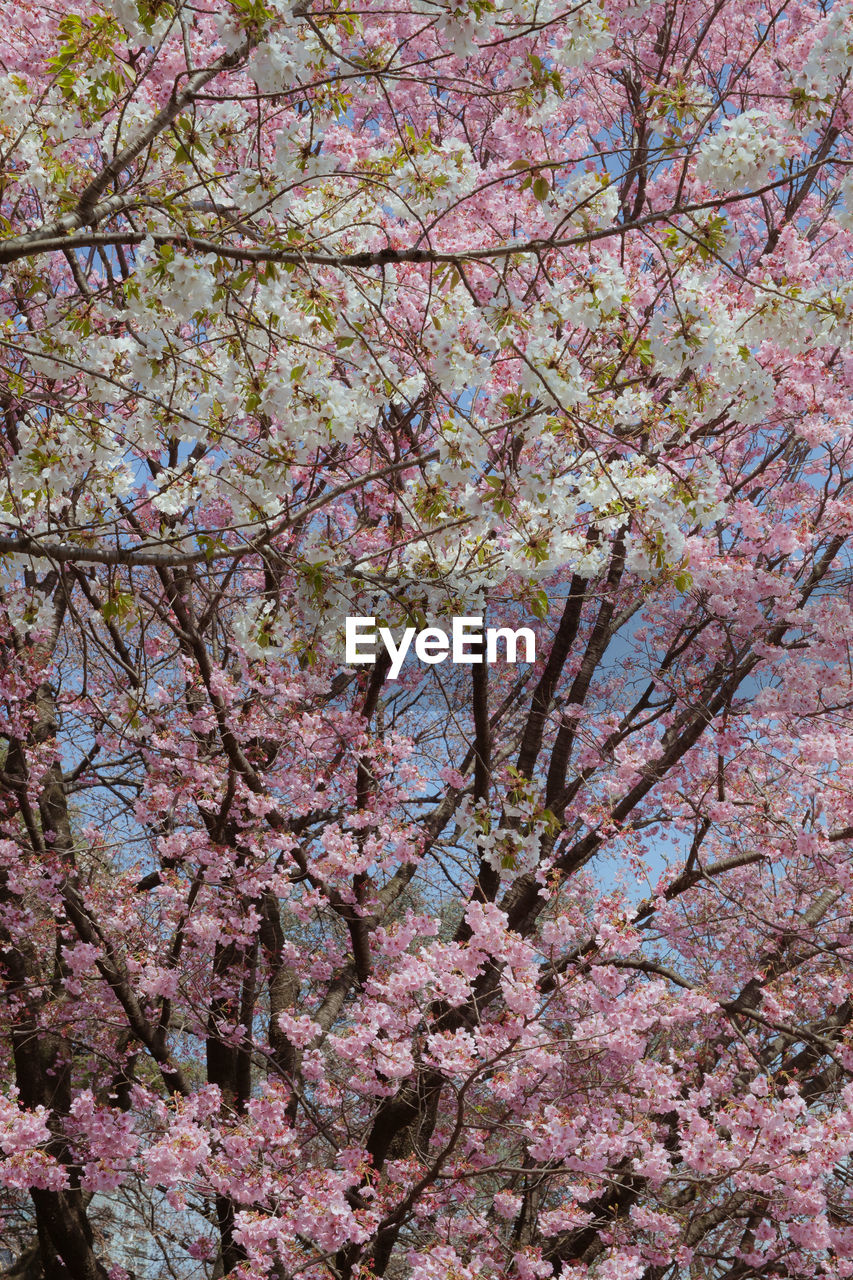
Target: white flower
{"type": "Point", "coordinates": [743, 152]}
{"type": "Point", "coordinates": [844, 209]}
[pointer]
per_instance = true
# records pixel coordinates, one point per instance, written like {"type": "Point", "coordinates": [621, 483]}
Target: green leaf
{"type": "Point", "coordinates": [540, 605]}
{"type": "Point", "coordinates": [643, 351]}
{"type": "Point", "coordinates": [118, 608]}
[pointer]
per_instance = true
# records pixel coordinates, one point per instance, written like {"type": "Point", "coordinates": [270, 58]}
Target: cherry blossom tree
{"type": "Point", "coordinates": [412, 310]}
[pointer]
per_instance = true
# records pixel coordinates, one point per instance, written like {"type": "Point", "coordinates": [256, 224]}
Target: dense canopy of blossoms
{"type": "Point", "coordinates": [411, 310]}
